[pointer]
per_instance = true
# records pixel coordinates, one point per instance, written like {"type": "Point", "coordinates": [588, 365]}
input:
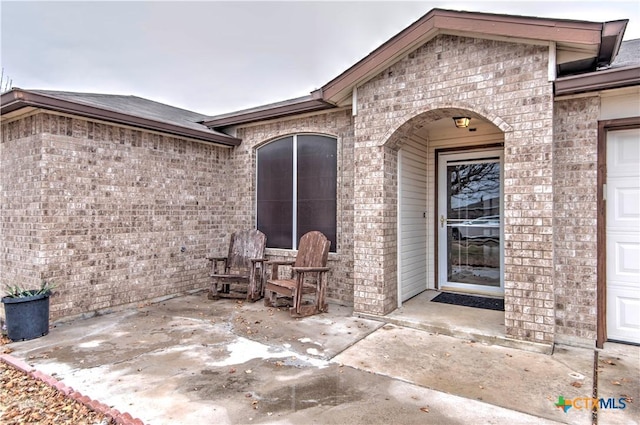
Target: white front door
{"type": "Point", "coordinates": [623, 235]}
{"type": "Point", "coordinates": [470, 243]}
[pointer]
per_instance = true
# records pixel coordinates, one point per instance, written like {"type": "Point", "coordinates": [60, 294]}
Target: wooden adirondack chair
{"type": "Point", "coordinates": [306, 275]}
{"type": "Point", "coordinates": [241, 273]}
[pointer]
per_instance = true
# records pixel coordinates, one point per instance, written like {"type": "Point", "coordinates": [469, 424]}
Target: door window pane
{"type": "Point", "coordinates": [473, 225]}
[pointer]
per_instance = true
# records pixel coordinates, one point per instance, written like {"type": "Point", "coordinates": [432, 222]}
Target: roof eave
{"type": "Point", "coordinates": [596, 81]}
{"type": "Point", "coordinates": [337, 92]}
{"type": "Point", "coordinates": [18, 98]}
{"type": "Point", "coordinates": [439, 21]}
{"type": "Point", "coordinates": [269, 112]}
{"type": "Point", "coordinates": [611, 39]}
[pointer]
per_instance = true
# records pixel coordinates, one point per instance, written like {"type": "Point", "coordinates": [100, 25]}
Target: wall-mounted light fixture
{"type": "Point", "coordinates": [461, 122]}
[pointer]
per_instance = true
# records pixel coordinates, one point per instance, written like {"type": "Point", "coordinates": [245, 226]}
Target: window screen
{"type": "Point", "coordinates": [292, 204]}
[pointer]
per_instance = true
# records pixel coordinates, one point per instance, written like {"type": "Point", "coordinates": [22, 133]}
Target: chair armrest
{"type": "Point", "coordinates": [275, 268]}
{"type": "Point", "coordinates": [216, 262]}
{"type": "Point", "coordinates": [217, 258]}
{"type": "Point", "coordinates": [310, 269]}
{"type": "Point", "coordinates": [282, 263]}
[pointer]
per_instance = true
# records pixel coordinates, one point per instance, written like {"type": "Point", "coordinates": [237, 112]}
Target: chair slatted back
{"type": "Point", "coordinates": [313, 250]}
{"type": "Point", "coordinates": [245, 245]}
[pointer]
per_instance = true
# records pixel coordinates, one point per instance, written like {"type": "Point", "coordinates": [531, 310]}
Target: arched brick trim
{"type": "Point", "coordinates": [418, 118]}
{"type": "Point", "coordinates": [319, 131]}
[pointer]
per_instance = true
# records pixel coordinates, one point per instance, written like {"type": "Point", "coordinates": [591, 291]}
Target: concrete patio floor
{"type": "Point", "coordinates": [188, 360]}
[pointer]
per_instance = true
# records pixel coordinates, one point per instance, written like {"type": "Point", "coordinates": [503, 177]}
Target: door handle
{"type": "Point", "coordinates": [442, 220]}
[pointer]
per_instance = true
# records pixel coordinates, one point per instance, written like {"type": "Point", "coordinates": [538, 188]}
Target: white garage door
{"type": "Point", "coordinates": [623, 235]}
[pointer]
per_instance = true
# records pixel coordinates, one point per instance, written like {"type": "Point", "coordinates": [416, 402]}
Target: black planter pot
{"type": "Point", "coordinates": [27, 317]}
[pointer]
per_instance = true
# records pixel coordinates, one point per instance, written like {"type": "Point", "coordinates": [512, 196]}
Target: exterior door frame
{"type": "Point", "coordinates": [436, 182]}
{"type": "Point", "coordinates": [603, 128]}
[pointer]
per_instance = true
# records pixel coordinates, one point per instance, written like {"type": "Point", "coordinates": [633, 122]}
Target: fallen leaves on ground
{"type": "Point", "coordinates": [3, 348]}
{"type": "Point", "coordinates": [26, 400]}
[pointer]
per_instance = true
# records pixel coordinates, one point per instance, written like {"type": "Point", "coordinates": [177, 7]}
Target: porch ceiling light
{"type": "Point", "coordinates": [461, 122]}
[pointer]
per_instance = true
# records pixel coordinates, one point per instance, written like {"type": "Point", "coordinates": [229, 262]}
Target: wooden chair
{"type": "Point", "coordinates": [306, 275]}
{"type": "Point", "coordinates": [241, 273]}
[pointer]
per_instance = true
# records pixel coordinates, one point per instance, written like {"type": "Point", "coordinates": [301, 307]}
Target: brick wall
{"type": "Point", "coordinates": [112, 215]}
{"type": "Point", "coordinates": [575, 211]}
{"type": "Point", "coordinates": [21, 219]}
{"type": "Point", "coordinates": [375, 237]}
{"type": "Point", "coordinates": [506, 84]}
{"type": "Point", "coordinates": [337, 124]}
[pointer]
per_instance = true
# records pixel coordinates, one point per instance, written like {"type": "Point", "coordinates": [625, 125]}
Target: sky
{"type": "Point", "coordinates": [214, 57]}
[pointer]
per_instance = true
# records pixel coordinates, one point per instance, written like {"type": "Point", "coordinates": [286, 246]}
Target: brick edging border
{"type": "Point", "coordinates": [117, 416]}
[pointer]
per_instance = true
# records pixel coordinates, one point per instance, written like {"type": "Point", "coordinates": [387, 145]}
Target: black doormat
{"type": "Point", "coordinates": [470, 301]}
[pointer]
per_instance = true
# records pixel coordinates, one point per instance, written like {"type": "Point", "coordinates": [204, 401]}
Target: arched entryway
{"type": "Point", "coordinates": [526, 227]}
{"type": "Point", "coordinates": [449, 204]}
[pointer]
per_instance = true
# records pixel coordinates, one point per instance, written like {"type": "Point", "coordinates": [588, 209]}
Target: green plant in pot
{"type": "Point", "coordinates": [27, 311]}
